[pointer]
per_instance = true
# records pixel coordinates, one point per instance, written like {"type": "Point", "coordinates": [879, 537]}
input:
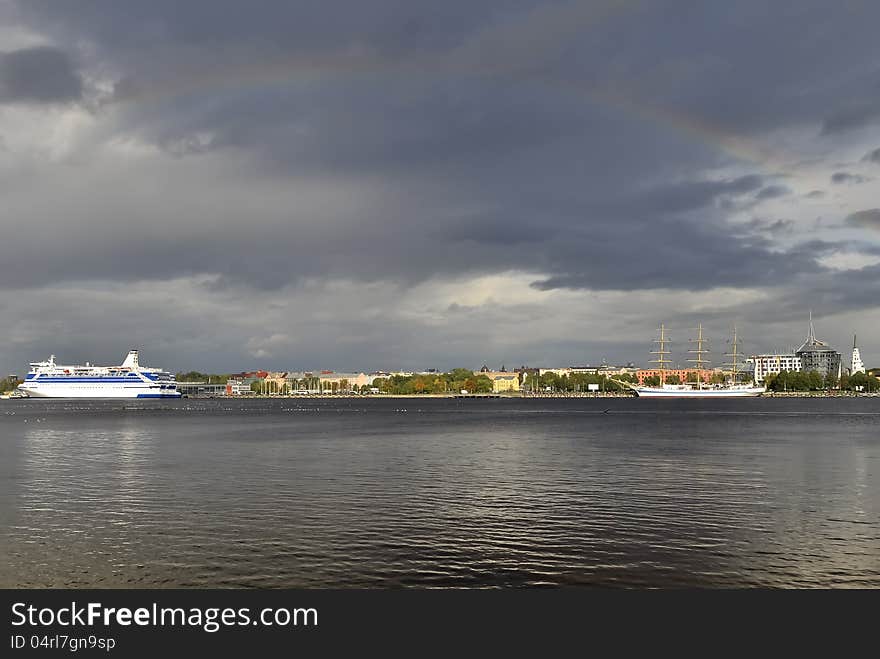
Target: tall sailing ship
{"type": "Point", "coordinates": [129, 380]}
{"type": "Point", "coordinates": [699, 389]}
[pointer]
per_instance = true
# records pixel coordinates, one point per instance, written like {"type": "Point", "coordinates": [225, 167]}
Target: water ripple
{"type": "Point", "coordinates": [440, 493]}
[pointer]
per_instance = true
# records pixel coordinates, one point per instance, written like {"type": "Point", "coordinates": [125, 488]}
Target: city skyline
{"type": "Point", "coordinates": [229, 186]}
{"type": "Point", "coordinates": [716, 358]}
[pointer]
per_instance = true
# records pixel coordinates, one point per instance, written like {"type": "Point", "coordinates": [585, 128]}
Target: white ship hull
{"type": "Point", "coordinates": [675, 392]}
{"type": "Point", "coordinates": [97, 390]}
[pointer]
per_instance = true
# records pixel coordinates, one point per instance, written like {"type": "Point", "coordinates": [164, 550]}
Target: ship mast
{"type": "Point", "coordinates": [735, 363]}
{"type": "Point", "coordinates": [699, 352]}
{"type": "Point", "coordinates": [661, 353]}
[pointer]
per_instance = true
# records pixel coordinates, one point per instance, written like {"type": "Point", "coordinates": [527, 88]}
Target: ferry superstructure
{"type": "Point", "coordinates": [129, 380]}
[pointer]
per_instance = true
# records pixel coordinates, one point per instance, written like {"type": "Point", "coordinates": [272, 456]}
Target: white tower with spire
{"type": "Point", "coordinates": [857, 365]}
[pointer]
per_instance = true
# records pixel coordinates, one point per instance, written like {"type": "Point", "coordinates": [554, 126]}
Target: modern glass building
{"type": "Point", "coordinates": [816, 355]}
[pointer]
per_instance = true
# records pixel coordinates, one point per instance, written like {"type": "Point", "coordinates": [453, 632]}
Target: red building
{"type": "Point", "coordinates": [705, 375]}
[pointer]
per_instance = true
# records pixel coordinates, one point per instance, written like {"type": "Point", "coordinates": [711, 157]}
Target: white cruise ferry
{"type": "Point", "coordinates": [130, 380]}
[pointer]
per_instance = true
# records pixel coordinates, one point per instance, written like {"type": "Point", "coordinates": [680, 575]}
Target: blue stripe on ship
{"type": "Point", "coordinates": [90, 378]}
{"type": "Point", "coordinates": [177, 395]}
{"type": "Point", "coordinates": [46, 380]}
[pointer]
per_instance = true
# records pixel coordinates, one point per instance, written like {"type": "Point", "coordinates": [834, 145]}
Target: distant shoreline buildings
{"type": "Point", "coordinates": [813, 355]}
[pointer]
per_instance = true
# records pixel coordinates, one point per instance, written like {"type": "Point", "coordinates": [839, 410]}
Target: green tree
{"type": "Point", "coordinates": [9, 383]}
{"type": "Point", "coordinates": [196, 376]}
{"type": "Point", "coordinates": [831, 380]}
{"type": "Point", "coordinates": [458, 375]}
{"type": "Point", "coordinates": [483, 385]}
{"type": "Point", "coordinates": [864, 382]}
{"type": "Point", "coordinates": [550, 380]}
{"type": "Point", "coordinates": [793, 381]}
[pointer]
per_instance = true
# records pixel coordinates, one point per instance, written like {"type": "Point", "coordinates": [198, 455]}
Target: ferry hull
{"type": "Point", "coordinates": [39, 390]}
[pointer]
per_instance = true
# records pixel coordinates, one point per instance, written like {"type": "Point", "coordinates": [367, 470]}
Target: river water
{"type": "Point", "coordinates": [387, 493]}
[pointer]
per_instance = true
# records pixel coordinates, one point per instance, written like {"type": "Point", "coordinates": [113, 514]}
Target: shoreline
{"type": "Point", "coordinates": [780, 394]}
{"type": "Point", "coordinates": [776, 394]}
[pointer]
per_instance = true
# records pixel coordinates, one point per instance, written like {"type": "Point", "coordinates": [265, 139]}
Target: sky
{"type": "Point", "coordinates": [410, 184]}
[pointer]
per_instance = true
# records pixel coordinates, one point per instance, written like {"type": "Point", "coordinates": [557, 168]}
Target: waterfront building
{"type": "Point", "coordinates": [771, 364]}
{"type": "Point", "coordinates": [816, 355]}
{"type": "Point", "coordinates": [344, 382]}
{"type": "Point", "coordinates": [556, 371]}
{"type": "Point", "coordinates": [813, 355]}
{"type": "Point", "coordinates": [856, 365]}
{"type": "Point", "coordinates": [502, 380]}
{"type": "Point", "coordinates": [238, 387]}
{"type": "Point", "coordinates": [249, 375]}
{"type": "Point", "coordinates": [275, 382]}
{"type": "Point", "coordinates": [201, 389]}
{"type": "Point", "coordinates": [682, 374]}
{"type": "Point", "coordinates": [611, 371]}
{"type": "Point", "coordinates": [301, 382]}
{"type": "Point", "coordinates": [603, 369]}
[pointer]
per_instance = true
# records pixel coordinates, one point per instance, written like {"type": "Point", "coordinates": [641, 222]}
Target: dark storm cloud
{"type": "Point", "coordinates": [706, 71]}
{"type": "Point", "coordinates": [690, 195]}
{"type": "Point", "coordinates": [867, 219]}
{"type": "Point", "coordinates": [770, 226]}
{"type": "Point", "coordinates": [839, 178]}
{"type": "Point", "coordinates": [855, 115]}
{"type": "Point", "coordinates": [828, 294]}
{"type": "Point", "coordinates": [675, 264]}
{"type": "Point", "coordinates": [495, 231]}
{"type": "Point", "coordinates": [496, 158]}
{"type": "Point", "coordinates": [607, 145]}
{"type": "Point", "coordinates": [773, 192]}
{"type": "Point", "coordinates": [583, 241]}
{"type": "Point", "coordinates": [872, 156]}
{"type": "Point", "coordinates": [38, 75]}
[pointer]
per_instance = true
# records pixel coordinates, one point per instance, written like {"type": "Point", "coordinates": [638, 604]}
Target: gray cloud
{"type": "Point", "coordinates": [867, 219]}
{"type": "Point", "coordinates": [262, 147]}
{"type": "Point", "coordinates": [770, 226]}
{"type": "Point", "coordinates": [839, 178]}
{"type": "Point", "coordinates": [773, 192]}
{"type": "Point", "coordinates": [856, 115]}
{"type": "Point", "coordinates": [872, 156]}
{"type": "Point", "coordinates": [38, 75]}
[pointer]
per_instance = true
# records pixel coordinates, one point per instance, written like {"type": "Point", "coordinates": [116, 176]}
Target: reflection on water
{"type": "Point", "coordinates": [390, 493]}
{"type": "Point", "coordinates": [74, 503]}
